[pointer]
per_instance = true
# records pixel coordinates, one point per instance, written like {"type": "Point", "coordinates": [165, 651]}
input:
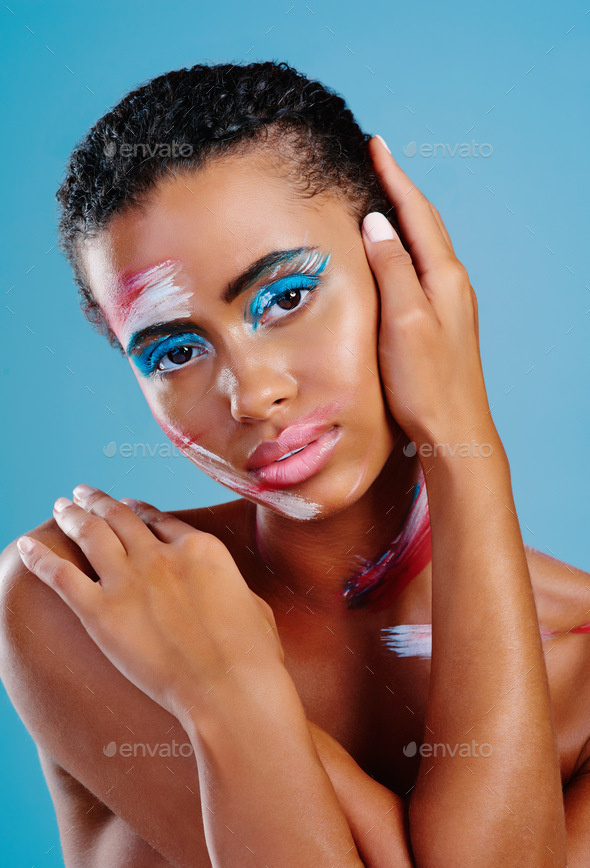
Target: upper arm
{"type": "Point", "coordinates": [91, 835]}
{"type": "Point", "coordinates": [74, 703]}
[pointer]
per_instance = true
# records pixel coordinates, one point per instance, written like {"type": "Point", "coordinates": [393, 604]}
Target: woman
{"type": "Point", "coordinates": [226, 228]}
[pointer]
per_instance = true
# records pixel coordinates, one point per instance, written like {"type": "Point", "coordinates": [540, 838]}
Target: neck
{"type": "Point", "coordinates": [362, 557]}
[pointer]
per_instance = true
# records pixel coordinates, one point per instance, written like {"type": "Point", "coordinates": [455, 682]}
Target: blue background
{"type": "Point", "coordinates": [511, 77]}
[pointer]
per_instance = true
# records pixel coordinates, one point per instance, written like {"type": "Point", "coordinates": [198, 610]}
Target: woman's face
{"type": "Point", "coordinates": [228, 363]}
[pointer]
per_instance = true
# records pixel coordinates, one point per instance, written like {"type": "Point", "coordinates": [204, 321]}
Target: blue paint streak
{"type": "Point", "coordinates": [269, 295]}
{"type": "Point", "coordinates": [148, 359]}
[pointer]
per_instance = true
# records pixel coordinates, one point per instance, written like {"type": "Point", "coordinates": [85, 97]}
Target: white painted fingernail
{"type": "Point", "coordinates": [377, 227]}
{"type": "Point", "coordinates": [61, 503]}
{"type": "Point", "coordinates": [81, 492]}
{"type": "Point", "coordinates": [26, 544]}
{"type": "Point", "coordinates": [383, 142]}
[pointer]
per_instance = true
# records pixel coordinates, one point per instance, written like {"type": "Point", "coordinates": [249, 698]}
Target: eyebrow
{"type": "Point", "coordinates": [251, 275]}
{"type": "Point", "coordinates": [256, 270]}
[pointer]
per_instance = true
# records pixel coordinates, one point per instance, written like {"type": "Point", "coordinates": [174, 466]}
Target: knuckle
{"type": "Point", "coordinates": [454, 274]}
{"type": "Point", "coordinates": [152, 516]}
{"type": "Point", "coordinates": [85, 527]}
{"type": "Point", "coordinates": [56, 572]}
{"type": "Point", "coordinates": [112, 509]}
{"type": "Point", "coordinates": [412, 321]}
{"type": "Point", "coordinates": [205, 546]}
{"type": "Point", "coordinates": [396, 255]}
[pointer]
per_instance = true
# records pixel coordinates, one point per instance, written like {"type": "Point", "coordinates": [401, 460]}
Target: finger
{"type": "Point", "coordinates": [399, 288]}
{"type": "Point", "coordinates": [99, 542]}
{"type": "Point", "coordinates": [129, 529]}
{"type": "Point", "coordinates": [75, 588]}
{"type": "Point", "coordinates": [420, 229]}
{"type": "Point", "coordinates": [442, 228]}
{"type": "Point", "coordinates": [164, 526]}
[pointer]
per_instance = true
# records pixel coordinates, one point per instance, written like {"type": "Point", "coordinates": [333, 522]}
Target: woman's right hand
{"type": "Point", "coordinates": [171, 610]}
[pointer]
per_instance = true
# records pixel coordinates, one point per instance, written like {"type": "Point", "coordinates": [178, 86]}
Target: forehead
{"type": "Point", "coordinates": [214, 221]}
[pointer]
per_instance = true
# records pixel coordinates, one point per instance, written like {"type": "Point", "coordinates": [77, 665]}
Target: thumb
{"type": "Point", "coordinates": [399, 287]}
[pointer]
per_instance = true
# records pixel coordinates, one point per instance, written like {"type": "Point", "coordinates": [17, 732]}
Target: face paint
{"type": "Point", "coordinates": [290, 504]}
{"type": "Point", "coordinates": [415, 640]}
{"type": "Point", "coordinates": [152, 305]}
{"type": "Point", "coordinates": [378, 582]}
{"type": "Point", "coordinates": [149, 297]}
{"type": "Point", "coordinates": [409, 640]}
{"type": "Point", "coordinates": [288, 287]}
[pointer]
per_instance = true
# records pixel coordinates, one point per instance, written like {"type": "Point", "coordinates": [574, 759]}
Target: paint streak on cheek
{"type": "Point", "coordinates": [287, 503]}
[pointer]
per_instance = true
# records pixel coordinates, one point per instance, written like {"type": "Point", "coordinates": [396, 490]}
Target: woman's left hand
{"type": "Point", "coordinates": [429, 356]}
{"type": "Point", "coordinates": [171, 610]}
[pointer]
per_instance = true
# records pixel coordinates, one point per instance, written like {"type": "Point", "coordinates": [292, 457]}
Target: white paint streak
{"type": "Point", "coordinates": [291, 505]}
{"type": "Point", "coordinates": [160, 300]}
{"type": "Point", "coordinates": [415, 640]}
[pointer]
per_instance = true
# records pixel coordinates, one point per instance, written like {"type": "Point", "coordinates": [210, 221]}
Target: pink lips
{"type": "Point", "coordinates": [313, 436]}
{"type": "Point", "coordinates": [304, 464]}
{"type": "Point", "coordinates": [291, 438]}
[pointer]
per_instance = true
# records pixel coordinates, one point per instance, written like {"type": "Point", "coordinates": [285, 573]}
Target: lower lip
{"type": "Point", "coordinates": [301, 466]}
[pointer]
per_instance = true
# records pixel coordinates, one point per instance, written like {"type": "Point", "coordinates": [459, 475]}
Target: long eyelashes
{"type": "Point", "coordinates": [149, 359]}
{"type": "Point", "coordinates": [287, 289]}
{"type": "Point", "coordinates": [154, 359]}
{"type": "Point", "coordinates": [307, 277]}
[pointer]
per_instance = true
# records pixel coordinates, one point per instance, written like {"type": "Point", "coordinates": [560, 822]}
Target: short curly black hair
{"type": "Point", "coordinates": [178, 121]}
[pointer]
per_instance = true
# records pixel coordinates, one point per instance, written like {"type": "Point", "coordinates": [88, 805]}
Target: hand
{"type": "Point", "coordinates": [171, 610]}
{"type": "Point", "coordinates": [429, 355]}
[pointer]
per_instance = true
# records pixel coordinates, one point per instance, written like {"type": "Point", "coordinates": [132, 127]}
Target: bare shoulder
{"type": "Point", "coordinates": [145, 804]}
{"type": "Point", "coordinates": [562, 591]}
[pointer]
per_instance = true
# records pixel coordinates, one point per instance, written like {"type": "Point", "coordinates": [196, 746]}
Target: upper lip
{"type": "Point", "coordinates": [293, 437]}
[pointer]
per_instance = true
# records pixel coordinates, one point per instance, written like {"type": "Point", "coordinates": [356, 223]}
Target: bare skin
{"type": "Point", "coordinates": [304, 564]}
{"type": "Point", "coordinates": [100, 801]}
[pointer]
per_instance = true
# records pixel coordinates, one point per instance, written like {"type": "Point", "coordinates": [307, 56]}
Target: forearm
{"type": "Point", "coordinates": [265, 794]}
{"type": "Point", "coordinates": [377, 817]}
{"type": "Point", "coordinates": [488, 681]}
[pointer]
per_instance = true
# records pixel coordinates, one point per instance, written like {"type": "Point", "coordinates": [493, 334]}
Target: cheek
{"type": "Point", "coordinates": [349, 337]}
{"type": "Point", "coordinates": [173, 415]}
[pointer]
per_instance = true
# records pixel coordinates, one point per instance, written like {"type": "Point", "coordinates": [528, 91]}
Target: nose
{"type": "Point", "coordinates": [258, 387]}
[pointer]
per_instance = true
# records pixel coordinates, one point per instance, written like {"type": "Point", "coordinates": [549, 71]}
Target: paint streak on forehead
{"type": "Point", "coordinates": [149, 297]}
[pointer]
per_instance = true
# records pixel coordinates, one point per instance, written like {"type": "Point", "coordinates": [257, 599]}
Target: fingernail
{"type": "Point", "coordinates": [383, 142]}
{"type": "Point", "coordinates": [377, 227]}
{"type": "Point", "coordinates": [81, 492]}
{"type": "Point", "coordinates": [61, 503]}
{"type": "Point", "coordinates": [130, 502]}
{"type": "Point", "coordinates": [25, 544]}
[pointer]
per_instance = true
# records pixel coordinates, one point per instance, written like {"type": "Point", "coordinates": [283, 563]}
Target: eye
{"type": "Point", "coordinates": [281, 299]}
{"type": "Point", "coordinates": [285, 302]}
{"type": "Point", "coordinates": [177, 357]}
{"type": "Point", "coordinates": [170, 354]}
